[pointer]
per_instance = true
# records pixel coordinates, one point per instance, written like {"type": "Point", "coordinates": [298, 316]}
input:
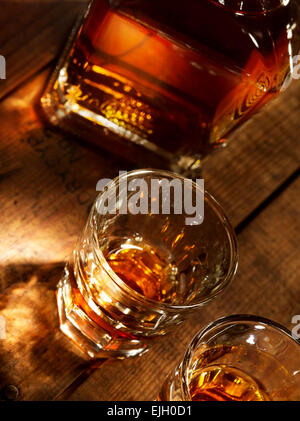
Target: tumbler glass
{"type": "Point", "coordinates": [144, 263]}
{"type": "Point", "coordinates": [237, 358]}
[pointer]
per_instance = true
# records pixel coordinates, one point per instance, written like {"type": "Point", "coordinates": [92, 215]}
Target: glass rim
{"type": "Point", "coordinates": [217, 208]}
{"type": "Point", "coordinates": [237, 318]}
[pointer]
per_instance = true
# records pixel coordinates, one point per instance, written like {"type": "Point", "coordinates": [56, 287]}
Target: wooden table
{"type": "Point", "coordinates": [47, 184]}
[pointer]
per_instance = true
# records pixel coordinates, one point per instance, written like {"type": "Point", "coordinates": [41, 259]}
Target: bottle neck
{"type": "Point", "coordinates": [252, 6]}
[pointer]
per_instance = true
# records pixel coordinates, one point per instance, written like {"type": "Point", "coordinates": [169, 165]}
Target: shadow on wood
{"type": "Point", "coordinates": [35, 356]}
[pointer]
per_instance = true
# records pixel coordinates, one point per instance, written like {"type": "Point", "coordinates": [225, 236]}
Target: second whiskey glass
{"type": "Point", "coordinates": [136, 276]}
{"type": "Point", "coordinates": [237, 358]}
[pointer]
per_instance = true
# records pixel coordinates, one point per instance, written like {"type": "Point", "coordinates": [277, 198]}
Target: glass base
{"type": "Point", "coordinates": [91, 338]}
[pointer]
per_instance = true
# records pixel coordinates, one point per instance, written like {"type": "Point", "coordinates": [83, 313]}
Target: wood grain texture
{"type": "Point", "coordinates": [267, 285]}
{"type": "Point", "coordinates": [47, 184]}
{"type": "Point", "coordinates": [32, 34]}
{"type": "Point", "coordinates": [260, 156]}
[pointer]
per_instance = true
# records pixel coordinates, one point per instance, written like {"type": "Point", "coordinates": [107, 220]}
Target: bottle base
{"type": "Point", "coordinates": [144, 152]}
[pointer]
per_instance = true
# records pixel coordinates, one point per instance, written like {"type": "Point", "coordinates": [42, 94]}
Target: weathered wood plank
{"type": "Point", "coordinates": [267, 285]}
{"type": "Point", "coordinates": [47, 183]}
{"type": "Point", "coordinates": [32, 34]}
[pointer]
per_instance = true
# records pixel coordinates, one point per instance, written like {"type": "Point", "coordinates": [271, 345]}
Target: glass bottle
{"type": "Point", "coordinates": [164, 83]}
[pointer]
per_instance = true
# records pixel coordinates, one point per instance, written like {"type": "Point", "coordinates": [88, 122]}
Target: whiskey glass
{"type": "Point", "coordinates": [237, 358]}
{"type": "Point", "coordinates": [164, 83]}
{"type": "Point", "coordinates": [134, 276]}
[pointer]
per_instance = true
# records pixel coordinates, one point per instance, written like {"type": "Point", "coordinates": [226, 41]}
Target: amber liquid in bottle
{"type": "Point", "coordinates": [173, 78]}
